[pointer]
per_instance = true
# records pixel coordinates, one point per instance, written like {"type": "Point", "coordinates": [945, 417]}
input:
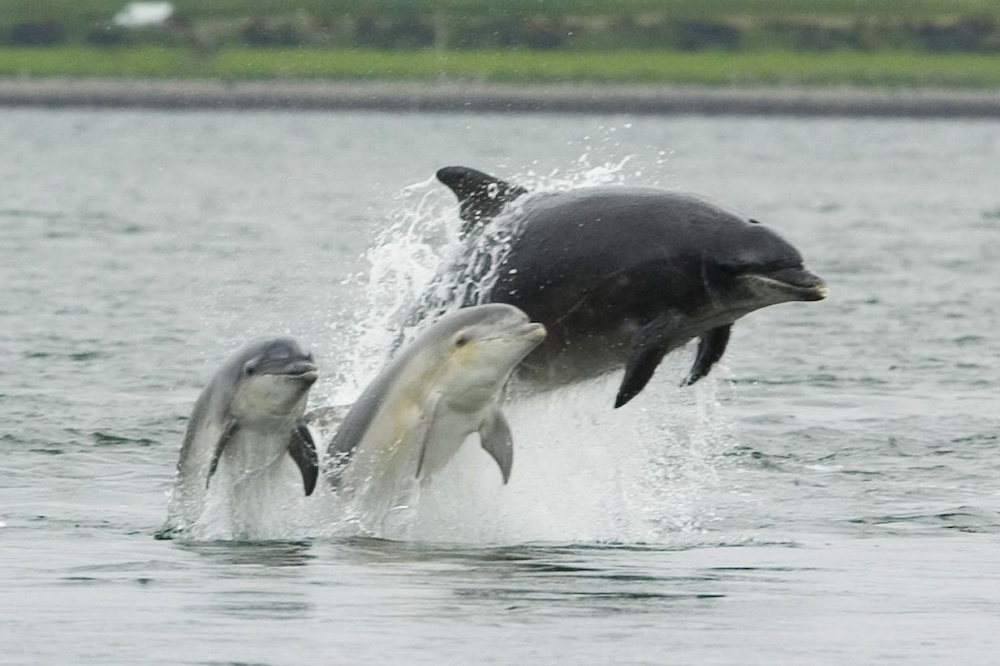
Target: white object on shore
{"type": "Point", "coordinates": [144, 14]}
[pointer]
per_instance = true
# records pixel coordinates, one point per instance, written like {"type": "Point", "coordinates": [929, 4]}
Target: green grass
{"type": "Point", "coordinates": [890, 68]}
{"type": "Point", "coordinates": [86, 61]}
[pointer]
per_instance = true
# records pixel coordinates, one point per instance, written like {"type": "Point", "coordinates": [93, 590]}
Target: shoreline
{"type": "Point", "coordinates": [457, 97]}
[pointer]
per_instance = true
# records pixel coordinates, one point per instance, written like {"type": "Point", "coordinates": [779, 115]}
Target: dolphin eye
{"type": "Point", "coordinates": [250, 369]}
{"type": "Point", "coordinates": [462, 340]}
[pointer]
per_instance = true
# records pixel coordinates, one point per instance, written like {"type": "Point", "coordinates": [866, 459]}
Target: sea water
{"type": "Point", "coordinates": [829, 494]}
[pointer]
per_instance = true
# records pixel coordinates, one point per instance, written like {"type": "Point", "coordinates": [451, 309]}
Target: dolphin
{"type": "Point", "coordinates": [620, 276]}
{"type": "Point", "coordinates": [246, 423]}
{"type": "Point", "coordinates": [442, 387]}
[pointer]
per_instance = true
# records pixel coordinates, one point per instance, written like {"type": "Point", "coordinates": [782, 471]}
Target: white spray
{"type": "Point", "coordinates": [583, 472]}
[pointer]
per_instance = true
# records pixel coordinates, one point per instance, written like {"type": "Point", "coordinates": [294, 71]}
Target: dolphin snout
{"type": "Point", "coordinates": [534, 331]}
{"type": "Point", "coordinates": [302, 371]}
{"type": "Point", "coordinates": [803, 284]}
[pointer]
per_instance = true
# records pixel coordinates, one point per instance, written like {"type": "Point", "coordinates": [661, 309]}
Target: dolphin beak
{"type": "Point", "coordinates": [796, 284]}
{"type": "Point", "coordinates": [302, 371]}
{"type": "Point", "coordinates": [533, 331]}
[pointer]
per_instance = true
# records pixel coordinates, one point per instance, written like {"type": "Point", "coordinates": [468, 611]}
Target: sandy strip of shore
{"type": "Point", "coordinates": [499, 98]}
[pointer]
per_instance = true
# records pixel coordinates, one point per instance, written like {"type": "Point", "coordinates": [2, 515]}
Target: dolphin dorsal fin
{"type": "Point", "coordinates": [480, 195]}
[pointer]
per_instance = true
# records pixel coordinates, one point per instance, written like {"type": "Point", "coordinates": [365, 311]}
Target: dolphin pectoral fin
{"type": "Point", "coordinates": [419, 433]}
{"type": "Point", "coordinates": [638, 372]}
{"type": "Point", "coordinates": [227, 434]}
{"type": "Point", "coordinates": [495, 437]}
{"type": "Point", "coordinates": [711, 347]}
{"type": "Point", "coordinates": [649, 345]}
{"type": "Point", "coordinates": [479, 195]}
{"type": "Point", "coordinates": [303, 451]}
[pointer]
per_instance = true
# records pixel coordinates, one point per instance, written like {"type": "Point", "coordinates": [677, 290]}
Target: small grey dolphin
{"type": "Point", "coordinates": [246, 423]}
{"type": "Point", "coordinates": [620, 276]}
{"type": "Point", "coordinates": [445, 385]}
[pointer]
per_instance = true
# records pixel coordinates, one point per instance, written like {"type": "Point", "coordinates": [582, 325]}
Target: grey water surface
{"type": "Point", "coordinates": [831, 494]}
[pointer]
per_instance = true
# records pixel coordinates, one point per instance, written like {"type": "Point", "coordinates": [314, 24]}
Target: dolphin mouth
{"type": "Point", "coordinates": [301, 372]}
{"type": "Point", "coordinates": [796, 283]}
{"type": "Point", "coordinates": [534, 331]}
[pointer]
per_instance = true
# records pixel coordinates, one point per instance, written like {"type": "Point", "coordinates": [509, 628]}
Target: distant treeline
{"type": "Point", "coordinates": [650, 29]}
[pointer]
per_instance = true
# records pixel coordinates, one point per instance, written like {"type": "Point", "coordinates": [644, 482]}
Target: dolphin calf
{"type": "Point", "coordinates": [442, 387]}
{"type": "Point", "coordinates": [245, 425]}
{"type": "Point", "coordinates": [620, 276]}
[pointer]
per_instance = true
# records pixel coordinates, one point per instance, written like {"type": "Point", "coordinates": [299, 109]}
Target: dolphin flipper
{"type": "Point", "coordinates": [349, 434]}
{"type": "Point", "coordinates": [227, 434]}
{"type": "Point", "coordinates": [649, 345]}
{"type": "Point", "coordinates": [479, 195]}
{"type": "Point", "coordinates": [420, 433]}
{"type": "Point", "coordinates": [495, 437]}
{"type": "Point", "coordinates": [711, 347]}
{"type": "Point", "coordinates": [303, 451]}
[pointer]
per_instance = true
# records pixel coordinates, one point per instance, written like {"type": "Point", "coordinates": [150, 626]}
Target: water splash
{"type": "Point", "coordinates": [419, 262]}
{"type": "Point", "coordinates": [401, 264]}
{"type": "Point", "coordinates": [583, 472]}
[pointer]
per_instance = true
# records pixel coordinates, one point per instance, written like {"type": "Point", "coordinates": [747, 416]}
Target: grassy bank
{"type": "Point", "coordinates": [885, 68]}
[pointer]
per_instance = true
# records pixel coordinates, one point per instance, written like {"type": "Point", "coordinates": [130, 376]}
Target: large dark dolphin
{"type": "Point", "coordinates": [621, 276]}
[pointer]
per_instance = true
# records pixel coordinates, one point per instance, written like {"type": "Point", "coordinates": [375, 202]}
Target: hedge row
{"type": "Point", "coordinates": [962, 34]}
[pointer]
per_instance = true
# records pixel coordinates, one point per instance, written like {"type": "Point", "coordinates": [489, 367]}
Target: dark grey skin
{"type": "Point", "coordinates": [621, 276]}
{"type": "Point", "coordinates": [248, 417]}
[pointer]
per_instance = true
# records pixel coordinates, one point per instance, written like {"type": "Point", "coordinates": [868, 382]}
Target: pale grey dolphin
{"type": "Point", "coordinates": [245, 425]}
{"type": "Point", "coordinates": [444, 386]}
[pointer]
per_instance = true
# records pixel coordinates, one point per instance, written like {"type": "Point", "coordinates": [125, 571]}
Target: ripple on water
{"type": "Point", "coordinates": [970, 519]}
{"type": "Point", "coordinates": [111, 439]}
